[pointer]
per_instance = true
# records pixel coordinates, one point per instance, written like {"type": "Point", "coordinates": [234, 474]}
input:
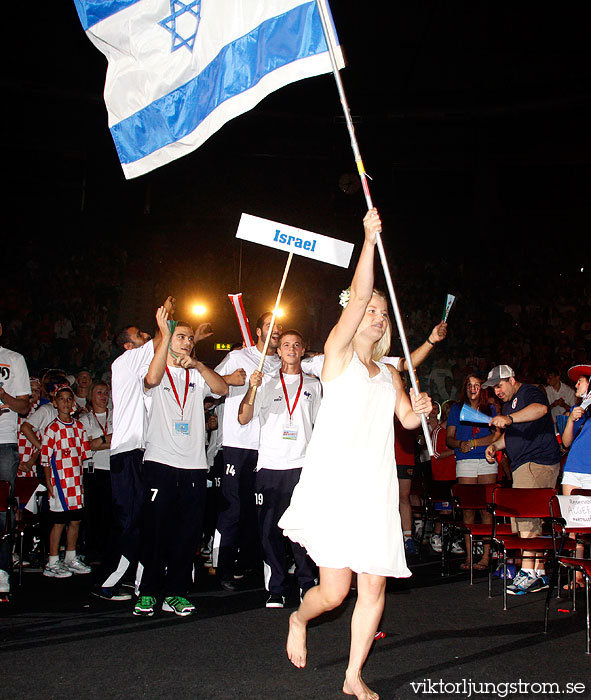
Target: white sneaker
{"type": "Point", "coordinates": [4, 582]}
{"type": "Point", "coordinates": [457, 548]}
{"type": "Point", "coordinates": [57, 570]}
{"type": "Point", "coordinates": [435, 542]}
{"type": "Point", "coordinates": [77, 567]}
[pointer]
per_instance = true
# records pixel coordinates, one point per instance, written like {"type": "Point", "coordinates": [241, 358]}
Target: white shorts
{"type": "Point", "coordinates": [475, 467]}
{"type": "Point", "coordinates": [577, 479]}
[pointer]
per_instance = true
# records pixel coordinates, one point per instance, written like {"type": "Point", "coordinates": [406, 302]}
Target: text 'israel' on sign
{"type": "Point", "coordinates": [294, 240]}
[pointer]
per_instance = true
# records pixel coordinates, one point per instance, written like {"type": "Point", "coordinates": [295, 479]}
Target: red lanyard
{"type": "Point", "coordinates": [297, 398]}
{"type": "Point", "coordinates": [106, 426]}
{"type": "Point", "coordinates": [176, 396]}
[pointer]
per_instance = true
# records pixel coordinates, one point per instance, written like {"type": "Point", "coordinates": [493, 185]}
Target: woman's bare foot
{"type": "Point", "coordinates": [482, 565]}
{"type": "Point", "coordinates": [296, 641]}
{"type": "Point", "coordinates": [355, 686]}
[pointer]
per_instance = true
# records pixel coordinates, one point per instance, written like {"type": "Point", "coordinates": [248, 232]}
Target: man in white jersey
{"type": "Point", "coordinates": [175, 468]}
{"type": "Point", "coordinates": [15, 390]}
{"type": "Point", "coordinates": [237, 527]}
{"type": "Point", "coordinates": [286, 406]}
{"type": "Point", "coordinates": [127, 453]}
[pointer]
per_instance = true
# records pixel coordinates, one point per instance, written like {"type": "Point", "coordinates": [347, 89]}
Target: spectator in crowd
{"type": "Point", "coordinates": [470, 440]}
{"type": "Point", "coordinates": [27, 454]}
{"type": "Point", "coordinates": [437, 380]}
{"type": "Point", "coordinates": [560, 396]}
{"type": "Point", "coordinates": [64, 448]}
{"type": "Point", "coordinates": [63, 330]}
{"type": "Point", "coordinates": [82, 389]}
{"type": "Point", "coordinates": [443, 468]}
{"type": "Point", "coordinates": [530, 442]}
{"type": "Point", "coordinates": [14, 399]}
{"type": "Point", "coordinates": [577, 439]}
{"type": "Point", "coordinates": [214, 414]}
{"type": "Point", "coordinates": [405, 442]}
{"type": "Point", "coordinates": [286, 406]}
{"type": "Point", "coordinates": [98, 424]}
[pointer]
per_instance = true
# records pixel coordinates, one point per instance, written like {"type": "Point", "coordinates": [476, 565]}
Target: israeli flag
{"type": "Point", "coordinates": [180, 69]}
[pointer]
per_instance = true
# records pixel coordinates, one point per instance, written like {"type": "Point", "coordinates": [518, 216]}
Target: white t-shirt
{"type": "Point", "coordinates": [127, 391]}
{"type": "Point", "coordinates": [93, 425]}
{"type": "Point", "coordinates": [14, 376]}
{"type": "Point", "coordinates": [215, 437]}
{"type": "Point", "coordinates": [80, 401]}
{"type": "Point", "coordinates": [42, 417]}
{"type": "Point", "coordinates": [174, 439]}
{"type": "Point", "coordinates": [314, 365]}
{"type": "Point", "coordinates": [276, 452]}
{"type": "Point", "coordinates": [234, 434]}
{"type": "Point", "coordinates": [564, 392]}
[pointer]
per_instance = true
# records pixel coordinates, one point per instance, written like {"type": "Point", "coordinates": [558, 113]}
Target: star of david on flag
{"type": "Point", "coordinates": [180, 69]}
{"type": "Point", "coordinates": [182, 23]}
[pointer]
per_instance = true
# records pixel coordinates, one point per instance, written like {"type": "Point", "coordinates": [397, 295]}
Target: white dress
{"type": "Point", "coordinates": [344, 510]}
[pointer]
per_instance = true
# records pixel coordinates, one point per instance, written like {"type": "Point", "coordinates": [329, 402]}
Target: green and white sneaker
{"type": "Point", "coordinates": [177, 605]}
{"type": "Point", "coordinates": [145, 606]}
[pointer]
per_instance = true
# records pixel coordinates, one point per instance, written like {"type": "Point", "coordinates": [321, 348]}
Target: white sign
{"type": "Point", "coordinates": [576, 510]}
{"type": "Point", "coordinates": [294, 240]}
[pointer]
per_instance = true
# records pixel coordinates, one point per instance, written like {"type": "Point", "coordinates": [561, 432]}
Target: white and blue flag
{"type": "Point", "coordinates": [180, 69]}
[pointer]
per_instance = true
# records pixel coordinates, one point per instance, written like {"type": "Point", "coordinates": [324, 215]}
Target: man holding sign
{"type": "Point", "coordinates": [286, 407]}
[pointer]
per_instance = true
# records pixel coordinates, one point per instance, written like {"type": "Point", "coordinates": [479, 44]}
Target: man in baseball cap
{"type": "Point", "coordinates": [530, 443]}
{"type": "Point", "coordinates": [497, 374]}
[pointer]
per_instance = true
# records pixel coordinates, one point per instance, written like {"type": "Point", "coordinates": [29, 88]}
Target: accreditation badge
{"type": "Point", "coordinates": [290, 432]}
{"type": "Point", "coordinates": [180, 427]}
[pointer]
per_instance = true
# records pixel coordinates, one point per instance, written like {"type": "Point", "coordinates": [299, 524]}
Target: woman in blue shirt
{"type": "Point", "coordinates": [470, 440]}
{"type": "Point", "coordinates": [577, 437]}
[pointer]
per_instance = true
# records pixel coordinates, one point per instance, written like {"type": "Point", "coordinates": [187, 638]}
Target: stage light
{"type": "Point", "coordinates": [278, 313]}
{"type": "Point", "coordinates": [199, 310]}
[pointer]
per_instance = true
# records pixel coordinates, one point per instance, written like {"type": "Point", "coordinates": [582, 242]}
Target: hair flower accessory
{"type": "Point", "coordinates": [344, 297]}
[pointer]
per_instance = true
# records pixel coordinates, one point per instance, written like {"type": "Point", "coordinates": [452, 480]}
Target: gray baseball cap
{"type": "Point", "coordinates": [496, 374]}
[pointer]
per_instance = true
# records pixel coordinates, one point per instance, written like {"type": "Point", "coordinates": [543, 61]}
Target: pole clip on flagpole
{"type": "Point", "coordinates": [326, 20]}
{"type": "Point", "coordinates": [253, 391]}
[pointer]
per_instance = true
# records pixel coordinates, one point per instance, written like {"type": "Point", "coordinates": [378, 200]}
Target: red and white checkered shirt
{"type": "Point", "coordinates": [64, 448]}
{"type": "Point", "coordinates": [25, 448]}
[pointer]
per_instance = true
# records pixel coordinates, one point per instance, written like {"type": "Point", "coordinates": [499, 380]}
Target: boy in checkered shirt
{"type": "Point", "coordinates": [64, 448]}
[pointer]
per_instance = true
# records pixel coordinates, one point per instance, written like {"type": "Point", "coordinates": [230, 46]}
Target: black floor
{"type": "Point", "coordinates": [442, 634]}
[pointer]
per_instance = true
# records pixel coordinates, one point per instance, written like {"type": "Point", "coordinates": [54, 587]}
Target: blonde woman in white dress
{"type": "Point", "coordinates": [344, 510]}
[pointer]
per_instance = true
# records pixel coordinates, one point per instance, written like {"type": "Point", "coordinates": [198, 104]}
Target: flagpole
{"type": "Point", "coordinates": [253, 391]}
{"type": "Point", "coordinates": [326, 20]}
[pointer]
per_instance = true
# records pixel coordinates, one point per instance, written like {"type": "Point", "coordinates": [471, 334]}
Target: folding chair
{"type": "Point", "coordinates": [584, 566]}
{"type": "Point", "coordinates": [6, 506]}
{"type": "Point", "coordinates": [475, 497]}
{"type": "Point", "coordinates": [580, 533]}
{"type": "Point", "coordinates": [438, 499]}
{"type": "Point", "coordinates": [526, 503]}
{"type": "Point", "coordinates": [24, 489]}
{"type": "Point", "coordinates": [418, 511]}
